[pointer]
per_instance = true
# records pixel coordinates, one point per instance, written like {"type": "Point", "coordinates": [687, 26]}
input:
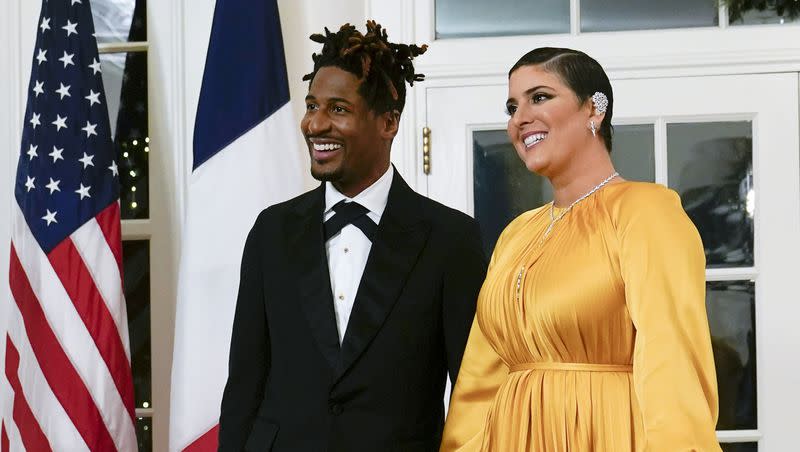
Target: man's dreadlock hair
{"type": "Point", "coordinates": [383, 67]}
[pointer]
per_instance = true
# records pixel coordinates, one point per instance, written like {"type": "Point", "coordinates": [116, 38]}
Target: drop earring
{"type": "Point", "coordinates": [593, 128]}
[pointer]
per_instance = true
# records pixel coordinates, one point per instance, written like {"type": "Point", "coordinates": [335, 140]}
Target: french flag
{"type": "Point", "coordinates": [246, 157]}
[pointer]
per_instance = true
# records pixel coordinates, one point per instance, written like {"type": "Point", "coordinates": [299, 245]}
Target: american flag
{"type": "Point", "coordinates": [66, 383]}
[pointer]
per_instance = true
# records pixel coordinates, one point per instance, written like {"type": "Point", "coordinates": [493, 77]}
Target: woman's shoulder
{"type": "Point", "coordinates": [646, 206]}
{"type": "Point", "coordinates": [632, 198]}
{"type": "Point", "coordinates": [634, 194]}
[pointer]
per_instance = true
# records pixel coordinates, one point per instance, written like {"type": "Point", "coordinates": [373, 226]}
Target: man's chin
{"type": "Point", "coordinates": [325, 174]}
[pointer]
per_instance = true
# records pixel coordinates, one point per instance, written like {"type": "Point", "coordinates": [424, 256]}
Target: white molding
{"type": "Point", "coordinates": [398, 19]}
{"type": "Point", "coordinates": [144, 412]}
{"type": "Point", "coordinates": [731, 274]}
{"type": "Point", "coordinates": [118, 47]}
{"type": "Point", "coordinates": [168, 144]}
{"type": "Point", "coordinates": [574, 17]}
{"type": "Point", "coordinates": [721, 62]}
{"type": "Point", "coordinates": [136, 229]}
{"type": "Point", "coordinates": [182, 139]}
{"type": "Point", "coordinates": [738, 436]}
{"type": "Point", "coordinates": [689, 51]}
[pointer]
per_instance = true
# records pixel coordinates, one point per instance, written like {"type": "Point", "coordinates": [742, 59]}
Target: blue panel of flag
{"type": "Point", "coordinates": [245, 75]}
{"type": "Point", "coordinates": [67, 172]}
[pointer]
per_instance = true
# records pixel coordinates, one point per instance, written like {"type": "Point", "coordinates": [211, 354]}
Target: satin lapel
{"type": "Point", "coordinates": [400, 238]}
{"type": "Point", "coordinates": [309, 262]}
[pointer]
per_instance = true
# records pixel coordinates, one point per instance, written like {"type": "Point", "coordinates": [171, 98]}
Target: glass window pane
{"type": "Point", "coordinates": [144, 433]}
{"type": "Point", "coordinates": [125, 82]}
{"type": "Point", "coordinates": [473, 18]}
{"type": "Point", "coordinates": [119, 20]}
{"type": "Point", "coordinates": [739, 447]}
{"type": "Point", "coordinates": [711, 166]}
{"type": "Point", "coordinates": [618, 15]}
{"type": "Point", "coordinates": [503, 186]}
{"type": "Point", "coordinates": [634, 150]}
{"type": "Point", "coordinates": [731, 318]}
{"type": "Point", "coordinates": [136, 267]}
{"type": "Point", "coordinates": [764, 12]}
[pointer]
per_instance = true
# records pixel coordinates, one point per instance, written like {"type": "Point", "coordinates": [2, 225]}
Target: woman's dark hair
{"type": "Point", "coordinates": [382, 66]}
{"type": "Point", "coordinates": [582, 73]}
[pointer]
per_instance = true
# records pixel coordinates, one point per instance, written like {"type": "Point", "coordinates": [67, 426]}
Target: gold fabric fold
{"type": "Point", "coordinates": [577, 367]}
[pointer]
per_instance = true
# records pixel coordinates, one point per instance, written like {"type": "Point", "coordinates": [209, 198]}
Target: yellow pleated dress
{"type": "Point", "coordinates": [594, 339]}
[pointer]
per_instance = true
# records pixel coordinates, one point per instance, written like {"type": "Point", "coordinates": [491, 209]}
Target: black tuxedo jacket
{"type": "Point", "coordinates": [291, 387]}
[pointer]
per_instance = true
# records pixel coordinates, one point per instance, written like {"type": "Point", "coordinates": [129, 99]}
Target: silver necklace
{"type": "Point", "coordinates": [554, 219]}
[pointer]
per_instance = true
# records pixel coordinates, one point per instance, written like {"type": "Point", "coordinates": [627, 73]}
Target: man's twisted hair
{"type": "Point", "coordinates": [383, 67]}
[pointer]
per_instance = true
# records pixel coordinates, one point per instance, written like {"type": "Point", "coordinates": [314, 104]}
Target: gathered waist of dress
{"type": "Point", "coordinates": [579, 367]}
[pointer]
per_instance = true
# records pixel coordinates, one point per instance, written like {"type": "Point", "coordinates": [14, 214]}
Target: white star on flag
{"type": "Point", "coordinates": [60, 122]}
{"type": "Point", "coordinates": [39, 88]}
{"type": "Point", "coordinates": [95, 66]}
{"type": "Point", "coordinates": [50, 217]}
{"type": "Point", "coordinates": [35, 120]}
{"type": "Point", "coordinates": [67, 59]}
{"type": "Point", "coordinates": [113, 168]}
{"type": "Point", "coordinates": [86, 160]}
{"type": "Point", "coordinates": [70, 27]}
{"type": "Point", "coordinates": [45, 24]}
{"type": "Point", "coordinates": [40, 57]}
{"type": "Point", "coordinates": [32, 152]}
{"type": "Point", "coordinates": [89, 129]}
{"type": "Point", "coordinates": [83, 191]}
{"type": "Point", "coordinates": [29, 184]}
{"type": "Point", "coordinates": [93, 98]}
{"type": "Point", "coordinates": [53, 185]}
{"type": "Point", "coordinates": [56, 154]}
{"type": "Point", "coordinates": [64, 90]}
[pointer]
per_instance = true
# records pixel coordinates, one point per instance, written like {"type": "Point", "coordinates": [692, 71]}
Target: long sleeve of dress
{"type": "Point", "coordinates": [663, 268]}
{"type": "Point", "coordinates": [481, 374]}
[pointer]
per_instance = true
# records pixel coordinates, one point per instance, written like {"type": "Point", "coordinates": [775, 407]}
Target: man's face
{"type": "Point", "coordinates": [348, 143]}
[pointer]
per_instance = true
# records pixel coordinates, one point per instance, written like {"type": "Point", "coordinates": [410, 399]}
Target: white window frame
{"type": "Point", "coordinates": [752, 49]}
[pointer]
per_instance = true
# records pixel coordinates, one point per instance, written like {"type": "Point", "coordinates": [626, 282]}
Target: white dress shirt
{"type": "Point", "coordinates": [348, 250]}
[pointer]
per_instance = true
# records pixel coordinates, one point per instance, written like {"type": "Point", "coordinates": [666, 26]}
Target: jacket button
{"type": "Point", "coordinates": [336, 409]}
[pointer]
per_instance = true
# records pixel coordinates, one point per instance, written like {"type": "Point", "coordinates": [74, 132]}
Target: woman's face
{"type": "Point", "coordinates": [547, 124]}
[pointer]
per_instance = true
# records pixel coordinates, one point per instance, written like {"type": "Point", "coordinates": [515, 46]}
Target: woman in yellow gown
{"type": "Point", "coordinates": [591, 331]}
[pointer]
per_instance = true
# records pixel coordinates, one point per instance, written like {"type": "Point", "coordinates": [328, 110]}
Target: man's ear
{"type": "Point", "coordinates": [390, 124]}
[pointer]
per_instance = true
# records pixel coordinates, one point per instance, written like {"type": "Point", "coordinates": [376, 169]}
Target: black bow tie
{"type": "Point", "coordinates": [349, 213]}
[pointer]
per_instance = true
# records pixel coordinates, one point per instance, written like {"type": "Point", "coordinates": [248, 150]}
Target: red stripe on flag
{"type": "Point", "coordinates": [32, 435]}
{"type": "Point", "coordinates": [206, 443]}
{"type": "Point", "coordinates": [61, 376]}
{"type": "Point", "coordinates": [3, 437]}
{"type": "Point", "coordinates": [109, 222]}
{"type": "Point", "coordinates": [80, 286]}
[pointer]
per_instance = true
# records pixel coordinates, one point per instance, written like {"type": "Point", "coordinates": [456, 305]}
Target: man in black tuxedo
{"type": "Point", "coordinates": [356, 298]}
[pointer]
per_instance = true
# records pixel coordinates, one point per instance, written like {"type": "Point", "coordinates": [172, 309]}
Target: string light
{"type": "Point", "coordinates": [134, 205]}
{"type": "Point", "coordinates": [135, 142]}
{"type": "Point", "coordinates": [147, 149]}
{"type": "Point", "coordinates": [145, 405]}
{"type": "Point", "coordinates": [133, 188]}
{"type": "Point", "coordinates": [146, 139]}
{"type": "Point", "coordinates": [125, 154]}
{"type": "Point", "coordinates": [133, 173]}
